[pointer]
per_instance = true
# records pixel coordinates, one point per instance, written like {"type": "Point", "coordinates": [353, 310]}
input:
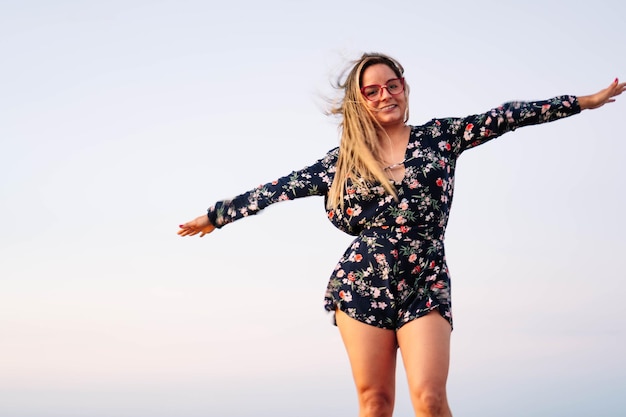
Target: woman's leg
{"type": "Point", "coordinates": [372, 353]}
{"type": "Point", "coordinates": [425, 347]}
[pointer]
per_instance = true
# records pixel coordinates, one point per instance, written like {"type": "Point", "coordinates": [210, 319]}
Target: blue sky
{"type": "Point", "coordinates": [119, 120]}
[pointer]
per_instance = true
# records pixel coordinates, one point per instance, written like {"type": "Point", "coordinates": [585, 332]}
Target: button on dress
{"type": "Point", "coordinates": [395, 269]}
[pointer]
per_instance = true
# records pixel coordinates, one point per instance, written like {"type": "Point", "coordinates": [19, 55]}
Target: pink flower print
{"type": "Point", "coordinates": [416, 270]}
{"type": "Point", "coordinates": [442, 163]}
{"type": "Point", "coordinates": [467, 135]}
{"type": "Point", "coordinates": [394, 253]}
{"type": "Point", "coordinates": [341, 273]}
{"type": "Point", "coordinates": [414, 184]}
{"type": "Point", "coordinates": [412, 258]}
{"type": "Point", "coordinates": [380, 258]}
{"type": "Point", "coordinates": [274, 182]}
{"type": "Point", "coordinates": [345, 296]}
{"type": "Point", "coordinates": [437, 285]}
{"type": "Point", "coordinates": [351, 276]}
{"type": "Point", "coordinates": [429, 302]}
{"type": "Point", "coordinates": [545, 108]}
{"type": "Point", "coordinates": [404, 205]}
{"type": "Point", "coordinates": [400, 220]}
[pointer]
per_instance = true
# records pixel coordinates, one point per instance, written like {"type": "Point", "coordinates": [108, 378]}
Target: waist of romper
{"type": "Point", "coordinates": [416, 232]}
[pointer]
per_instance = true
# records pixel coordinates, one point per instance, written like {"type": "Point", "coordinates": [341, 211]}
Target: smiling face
{"type": "Point", "coordinates": [389, 110]}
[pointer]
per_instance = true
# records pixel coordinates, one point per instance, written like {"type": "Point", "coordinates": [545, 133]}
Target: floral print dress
{"type": "Point", "coordinates": [395, 270]}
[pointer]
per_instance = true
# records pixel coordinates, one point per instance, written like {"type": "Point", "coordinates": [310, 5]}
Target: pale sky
{"type": "Point", "coordinates": [120, 120]}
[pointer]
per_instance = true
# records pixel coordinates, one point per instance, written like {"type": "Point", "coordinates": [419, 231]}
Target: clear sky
{"type": "Point", "coordinates": [121, 119]}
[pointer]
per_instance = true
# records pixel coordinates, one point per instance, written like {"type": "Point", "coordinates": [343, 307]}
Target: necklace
{"type": "Point", "coordinates": [390, 168]}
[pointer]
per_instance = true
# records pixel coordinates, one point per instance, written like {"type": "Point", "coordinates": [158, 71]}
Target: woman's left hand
{"type": "Point", "coordinates": [602, 97]}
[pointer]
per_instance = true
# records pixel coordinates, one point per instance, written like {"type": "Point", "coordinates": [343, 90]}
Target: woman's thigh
{"type": "Point", "coordinates": [425, 347]}
{"type": "Point", "coordinates": [372, 354]}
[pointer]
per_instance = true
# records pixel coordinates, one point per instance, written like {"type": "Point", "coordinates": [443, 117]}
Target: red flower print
{"type": "Point", "coordinates": [416, 270]}
{"type": "Point", "coordinates": [394, 253]}
{"type": "Point", "coordinates": [351, 276]}
{"type": "Point", "coordinates": [429, 303]}
{"type": "Point", "coordinates": [439, 182]}
{"type": "Point", "coordinates": [331, 214]}
{"type": "Point", "coordinates": [404, 229]}
{"type": "Point", "coordinates": [358, 257]}
{"type": "Point", "coordinates": [351, 190]}
{"type": "Point", "coordinates": [442, 163]}
{"type": "Point", "coordinates": [469, 126]}
{"type": "Point", "coordinates": [342, 294]}
{"type": "Point", "coordinates": [274, 182]}
{"type": "Point", "coordinates": [448, 146]}
{"type": "Point", "coordinates": [432, 264]}
{"type": "Point", "coordinates": [349, 211]}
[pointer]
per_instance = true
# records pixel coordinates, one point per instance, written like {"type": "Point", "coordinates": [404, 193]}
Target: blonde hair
{"type": "Point", "coordinates": [360, 158]}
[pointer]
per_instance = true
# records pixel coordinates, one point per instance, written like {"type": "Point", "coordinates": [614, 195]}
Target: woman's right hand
{"type": "Point", "coordinates": [200, 224]}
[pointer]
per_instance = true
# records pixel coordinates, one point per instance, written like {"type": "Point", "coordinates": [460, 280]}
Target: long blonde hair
{"type": "Point", "coordinates": [360, 156]}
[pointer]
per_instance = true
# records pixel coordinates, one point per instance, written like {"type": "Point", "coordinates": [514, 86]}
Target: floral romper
{"type": "Point", "coordinates": [395, 270]}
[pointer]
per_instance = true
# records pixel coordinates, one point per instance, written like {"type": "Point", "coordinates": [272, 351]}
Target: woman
{"type": "Point", "coordinates": [391, 185]}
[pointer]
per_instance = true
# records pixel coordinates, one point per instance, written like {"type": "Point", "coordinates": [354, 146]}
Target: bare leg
{"type": "Point", "coordinates": [372, 353]}
{"type": "Point", "coordinates": [425, 347]}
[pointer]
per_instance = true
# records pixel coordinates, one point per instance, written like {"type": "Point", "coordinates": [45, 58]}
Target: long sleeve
{"type": "Point", "coordinates": [477, 129]}
{"type": "Point", "coordinates": [312, 180]}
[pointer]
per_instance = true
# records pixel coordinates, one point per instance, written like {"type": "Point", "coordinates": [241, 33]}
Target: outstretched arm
{"type": "Point", "coordinates": [312, 180]}
{"type": "Point", "coordinates": [599, 99]}
{"type": "Point", "coordinates": [200, 224]}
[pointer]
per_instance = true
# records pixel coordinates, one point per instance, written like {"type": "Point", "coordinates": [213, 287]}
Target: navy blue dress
{"type": "Point", "coordinates": [395, 270]}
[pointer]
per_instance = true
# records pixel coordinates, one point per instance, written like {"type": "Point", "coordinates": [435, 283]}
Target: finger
{"type": "Point", "coordinates": [187, 232]}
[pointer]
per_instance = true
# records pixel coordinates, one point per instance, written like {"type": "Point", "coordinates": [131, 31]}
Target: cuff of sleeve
{"type": "Point", "coordinates": [575, 105]}
{"type": "Point", "coordinates": [215, 218]}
